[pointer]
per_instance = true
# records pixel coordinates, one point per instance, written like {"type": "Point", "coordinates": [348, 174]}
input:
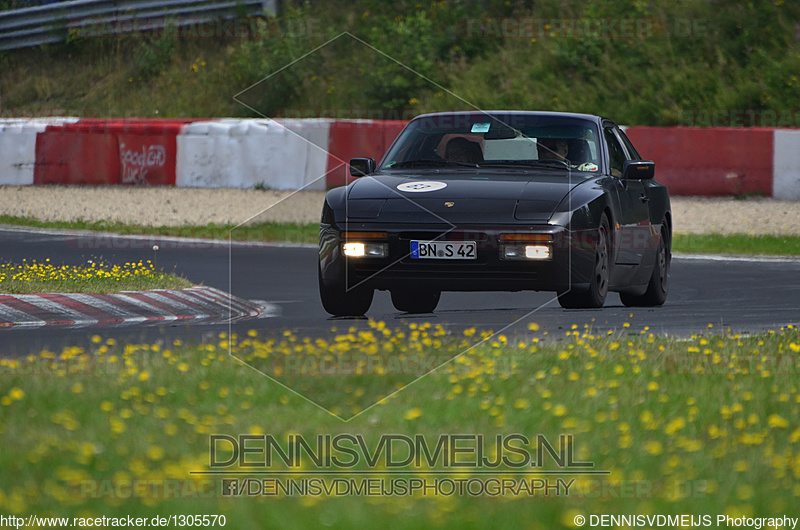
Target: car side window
{"type": "Point", "coordinates": [616, 156]}
{"type": "Point", "coordinates": [634, 154]}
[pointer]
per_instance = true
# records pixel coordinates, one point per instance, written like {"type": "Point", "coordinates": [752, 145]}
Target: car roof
{"type": "Point", "coordinates": [590, 117]}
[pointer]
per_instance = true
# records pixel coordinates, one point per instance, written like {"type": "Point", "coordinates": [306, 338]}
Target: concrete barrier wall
{"type": "Point", "coordinates": [96, 151]}
{"type": "Point", "coordinates": [247, 153]}
{"type": "Point", "coordinates": [276, 154]}
{"type": "Point", "coordinates": [357, 138]}
{"type": "Point", "coordinates": [18, 147]}
{"type": "Point", "coordinates": [313, 154]}
{"type": "Point", "coordinates": [786, 164]}
{"type": "Point", "coordinates": [708, 162]}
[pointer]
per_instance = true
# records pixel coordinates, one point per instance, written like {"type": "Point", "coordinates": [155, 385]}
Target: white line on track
{"type": "Point", "coordinates": [155, 238]}
{"type": "Point", "coordinates": [745, 259]}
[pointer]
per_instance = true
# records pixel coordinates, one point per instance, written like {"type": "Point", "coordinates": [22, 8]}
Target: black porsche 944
{"type": "Point", "coordinates": [498, 201]}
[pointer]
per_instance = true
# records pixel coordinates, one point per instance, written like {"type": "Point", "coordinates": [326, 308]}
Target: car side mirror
{"type": "Point", "coordinates": [361, 166]}
{"type": "Point", "coordinates": [638, 169]}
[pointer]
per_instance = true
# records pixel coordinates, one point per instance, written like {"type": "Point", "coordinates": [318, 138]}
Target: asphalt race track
{"type": "Point", "coordinates": [743, 295]}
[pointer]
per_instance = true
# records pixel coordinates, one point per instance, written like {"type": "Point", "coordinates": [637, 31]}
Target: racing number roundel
{"type": "Point", "coordinates": [421, 186]}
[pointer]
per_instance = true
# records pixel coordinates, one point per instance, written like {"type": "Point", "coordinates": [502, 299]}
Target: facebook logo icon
{"type": "Point", "coordinates": [230, 487]}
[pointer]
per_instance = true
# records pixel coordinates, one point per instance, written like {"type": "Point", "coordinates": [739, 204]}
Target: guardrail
{"type": "Point", "coordinates": [44, 24]}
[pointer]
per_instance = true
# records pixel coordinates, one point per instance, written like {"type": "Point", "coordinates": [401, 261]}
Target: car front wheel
{"type": "Point", "coordinates": [595, 295]}
{"type": "Point", "coordinates": [658, 287]}
{"type": "Point", "coordinates": [342, 302]}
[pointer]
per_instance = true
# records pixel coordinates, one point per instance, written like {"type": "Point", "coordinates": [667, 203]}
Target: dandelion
{"type": "Point", "coordinates": [776, 421]}
{"type": "Point", "coordinates": [155, 453]}
{"type": "Point", "coordinates": [654, 447]}
{"type": "Point", "coordinates": [412, 414]}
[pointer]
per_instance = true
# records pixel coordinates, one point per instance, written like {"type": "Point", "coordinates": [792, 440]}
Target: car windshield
{"type": "Point", "coordinates": [497, 140]}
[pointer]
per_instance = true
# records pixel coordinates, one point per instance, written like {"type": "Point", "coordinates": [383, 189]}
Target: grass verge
{"type": "Point", "coordinates": [774, 245]}
{"type": "Point", "coordinates": [289, 232]}
{"type": "Point", "coordinates": [91, 277]}
{"type": "Point", "coordinates": [700, 426]}
{"type": "Point", "coordinates": [768, 245]}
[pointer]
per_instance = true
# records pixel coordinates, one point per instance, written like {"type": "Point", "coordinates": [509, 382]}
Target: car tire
{"type": "Point", "coordinates": [658, 287]}
{"type": "Point", "coordinates": [342, 302]}
{"type": "Point", "coordinates": [410, 301]}
{"type": "Point", "coordinates": [595, 295]}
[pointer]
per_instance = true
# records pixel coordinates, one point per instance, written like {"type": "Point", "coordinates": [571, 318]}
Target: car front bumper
{"type": "Point", "coordinates": [570, 264]}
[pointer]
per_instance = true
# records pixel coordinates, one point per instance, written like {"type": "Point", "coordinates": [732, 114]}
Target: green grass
{"type": "Point", "coordinates": [768, 245]}
{"type": "Point", "coordinates": [288, 232]}
{"type": "Point", "coordinates": [702, 426]}
{"type": "Point", "coordinates": [91, 277]}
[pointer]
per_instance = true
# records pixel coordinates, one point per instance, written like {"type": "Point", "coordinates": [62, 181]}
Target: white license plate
{"type": "Point", "coordinates": [443, 250]}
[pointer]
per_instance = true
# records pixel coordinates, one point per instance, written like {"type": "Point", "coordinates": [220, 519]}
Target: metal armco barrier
{"type": "Point", "coordinates": [44, 24]}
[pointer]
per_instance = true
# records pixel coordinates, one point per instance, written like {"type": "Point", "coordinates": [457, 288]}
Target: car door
{"type": "Point", "coordinates": [634, 214]}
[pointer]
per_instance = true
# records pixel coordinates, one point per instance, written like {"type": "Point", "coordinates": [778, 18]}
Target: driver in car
{"type": "Point", "coordinates": [558, 149]}
{"type": "Point", "coordinates": [463, 151]}
{"type": "Point", "coordinates": [552, 148]}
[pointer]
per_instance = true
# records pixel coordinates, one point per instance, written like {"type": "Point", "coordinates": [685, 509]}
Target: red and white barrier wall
{"type": "Point", "coordinates": [277, 154]}
{"type": "Point", "coordinates": [723, 161]}
{"type": "Point", "coordinates": [18, 147]}
{"type": "Point", "coordinates": [313, 154]}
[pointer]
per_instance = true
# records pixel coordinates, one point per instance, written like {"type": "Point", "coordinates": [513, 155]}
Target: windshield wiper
{"type": "Point", "coordinates": [429, 162]}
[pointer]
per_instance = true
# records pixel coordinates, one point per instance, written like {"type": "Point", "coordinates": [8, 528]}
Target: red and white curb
{"type": "Point", "coordinates": [194, 305]}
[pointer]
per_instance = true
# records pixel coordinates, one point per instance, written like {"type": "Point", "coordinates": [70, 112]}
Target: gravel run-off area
{"type": "Point", "coordinates": [167, 206]}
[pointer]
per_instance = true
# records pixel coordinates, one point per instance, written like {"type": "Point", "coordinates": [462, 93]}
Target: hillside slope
{"type": "Point", "coordinates": [697, 62]}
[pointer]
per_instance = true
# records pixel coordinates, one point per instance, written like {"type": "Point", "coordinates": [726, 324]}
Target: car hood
{"type": "Point", "coordinates": [472, 198]}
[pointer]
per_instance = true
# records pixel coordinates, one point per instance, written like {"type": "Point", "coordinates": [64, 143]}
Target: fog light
{"type": "Point", "coordinates": [537, 252]}
{"type": "Point", "coordinates": [357, 249]}
{"type": "Point", "coordinates": [525, 252]}
{"type": "Point", "coordinates": [354, 250]}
